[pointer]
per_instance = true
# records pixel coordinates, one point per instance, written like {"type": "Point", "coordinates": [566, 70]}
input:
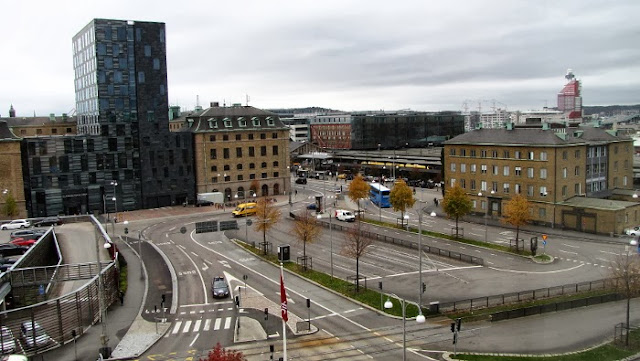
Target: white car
{"type": "Point", "coordinates": [635, 231]}
{"type": "Point", "coordinates": [16, 224]}
{"type": "Point", "coordinates": [345, 216]}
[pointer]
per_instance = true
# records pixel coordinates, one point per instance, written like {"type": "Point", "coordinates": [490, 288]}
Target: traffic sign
{"type": "Point", "coordinates": [544, 237]}
{"type": "Point", "coordinates": [544, 243]}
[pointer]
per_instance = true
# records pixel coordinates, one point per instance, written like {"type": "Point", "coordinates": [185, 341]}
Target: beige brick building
{"type": "Point", "coordinates": [577, 178]}
{"type": "Point", "coordinates": [42, 126]}
{"type": "Point", "coordinates": [239, 145]}
{"type": "Point", "coordinates": [11, 182]}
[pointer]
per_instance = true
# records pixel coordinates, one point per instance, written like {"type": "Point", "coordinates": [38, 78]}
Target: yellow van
{"type": "Point", "coordinates": [245, 209]}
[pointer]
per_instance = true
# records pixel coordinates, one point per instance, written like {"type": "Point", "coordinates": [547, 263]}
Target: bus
{"type": "Point", "coordinates": [379, 195]}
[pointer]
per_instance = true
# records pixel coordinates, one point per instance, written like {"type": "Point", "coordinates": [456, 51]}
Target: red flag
{"type": "Point", "coordinates": [283, 298]}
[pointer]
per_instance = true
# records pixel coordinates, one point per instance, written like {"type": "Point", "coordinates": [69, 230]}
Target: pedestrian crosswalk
{"type": "Point", "coordinates": [200, 325]}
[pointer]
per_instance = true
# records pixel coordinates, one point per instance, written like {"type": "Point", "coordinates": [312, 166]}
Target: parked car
{"type": "Point", "coordinates": [312, 206]}
{"type": "Point", "coordinates": [24, 242]}
{"type": "Point", "coordinates": [301, 181]}
{"type": "Point", "coordinates": [14, 358]}
{"type": "Point", "coordinates": [16, 224]}
{"type": "Point", "coordinates": [7, 342]}
{"type": "Point", "coordinates": [47, 222]}
{"type": "Point", "coordinates": [8, 249]}
{"type": "Point", "coordinates": [28, 233]}
{"type": "Point", "coordinates": [34, 335]}
{"type": "Point", "coordinates": [6, 263]}
{"type": "Point", "coordinates": [219, 287]}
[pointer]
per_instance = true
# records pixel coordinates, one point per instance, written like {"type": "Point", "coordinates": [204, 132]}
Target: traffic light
{"type": "Point", "coordinates": [308, 302]}
{"type": "Point", "coordinates": [380, 284]}
{"type": "Point", "coordinates": [237, 301]}
{"type": "Point", "coordinates": [163, 298]}
{"type": "Point", "coordinates": [458, 323]}
{"type": "Point", "coordinates": [453, 327]}
{"type": "Point", "coordinates": [126, 230]}
{"type": "Point", "coordinates": [266, 313]}
{"type": "Point", "coordinates": [424, 287]}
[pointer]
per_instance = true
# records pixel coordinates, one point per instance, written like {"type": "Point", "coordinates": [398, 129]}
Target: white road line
{"type": "Point", "coordinates": [176, 328]}
{"type": "Point", "coordinates": [561, 250]}
{"type": "Point", "coordinates": [194, 340]}
{"type": "Point", "coordinates": [207, 325]}
{"type": "Point", "coordinates": [196, 326]}
{"type": "Point", "coordinates": [187, 325]}
{"type": "Point", "coordinates": [570, 246]}
{"type": "Point", "coordinates": [602, 259]}
{"type": "Point", "coordinates": [607, 252]}
{"type": "Point", "coordinates": [227, 323]}
{"type": "Point", "coordinates": [216, 326]}
{"type": "Point", "coordinates": [543, 272]}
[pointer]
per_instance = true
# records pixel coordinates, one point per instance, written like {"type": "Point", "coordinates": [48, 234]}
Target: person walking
{"type": "Point", "coordinates": [121, 295]}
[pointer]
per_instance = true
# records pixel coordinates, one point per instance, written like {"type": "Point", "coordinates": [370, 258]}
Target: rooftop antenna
{"type": "Point", "coordinates": [248, 98]}
{"type": "Point", "coordinates": [197, 101]}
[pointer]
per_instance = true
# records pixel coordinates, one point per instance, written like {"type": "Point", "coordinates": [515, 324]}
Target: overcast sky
{"type": "Point", "coordinates": [348, 55]}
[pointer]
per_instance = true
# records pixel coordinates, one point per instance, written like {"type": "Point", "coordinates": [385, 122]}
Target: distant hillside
{"type": "Point", "coordinates": [609, 110]}
{"type": "Point", "coordinates": [307, 110]}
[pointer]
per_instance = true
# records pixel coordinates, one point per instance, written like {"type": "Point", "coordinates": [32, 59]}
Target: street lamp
{"type": "Point", "coordinates": [319, 216]}
{"type": "Point", "coordinates": [632, 243]}
{"type": "Point", "coordinates": [104, 339]}
{"type": "Point", "coordinates": [485, 220]}
{"type": "Point", "coordinates": [406, 220]}
{"type": "Point", "coordinates": [419, 319]}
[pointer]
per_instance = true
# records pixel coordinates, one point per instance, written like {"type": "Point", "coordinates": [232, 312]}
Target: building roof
{"type": "Point", "coordinates": [216, 119]}
{"type": "Point", "coordinates": [6, 133]}
{"type": "Point", "coordinates": [597, 203]}
{"type": "Point", "coordinates": [542, 137]}
{"type": "Point", "coordinates": [38, 121]}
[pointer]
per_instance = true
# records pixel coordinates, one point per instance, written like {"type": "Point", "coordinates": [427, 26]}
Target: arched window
{"type": "Point", "coordinates": [276, 189]}
{"type": "Point", "coordinates": [275, 164]}
{"type": "Point", "coordinates": [227, 194]}
{"type": "Point", "coordinates": [265, 190]}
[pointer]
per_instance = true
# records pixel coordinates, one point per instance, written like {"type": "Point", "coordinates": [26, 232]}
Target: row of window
{"type": "Point", "coordinates": [250, 136]}
{"type": "Point", "coordinates": [506, 170]}
{"type": "Point", "coordinates": [240, 166]}
{"type": "Point", "coordinates": [506, 187]}
{"type": "Point", "coordinates": [242, 122]}
{"type": "Point", "coordinates": [240, 177]}
{"type": "Point", "coordinates": [213, 153]}
{"type": "Point", "coordinates": [592, 152]}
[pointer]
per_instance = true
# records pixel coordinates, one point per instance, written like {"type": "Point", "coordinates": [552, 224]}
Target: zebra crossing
{"type": "Point", "coordinates": [200, 325]}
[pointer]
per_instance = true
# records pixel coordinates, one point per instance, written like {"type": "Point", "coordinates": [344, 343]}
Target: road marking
{"type": "Point", "coordinates": [602, 259]}
{"type": "Point", "coordinates": [607, 252]}
{"type": "Point", "coordinates": [187, 325]}
{"type": "Point", "coordinates": [196, 326]}
{"type": "Point", "coordinates": [225, 263]}
{"type": "Point", "coordinates": [543, 272]}
{"type": "Point", "coordinates": [561, 250]}
{"type": "Point", "coordinates": [216, 326]}
{"type": "Point", "coordinates": [207, 325]}
{"type": "Point", "coordinates": [475, 234]}
{"type": "Point", "coordinates": [176, 328]}
{"type": "Point", "coordinates": [570, 246]}
{"type": "Point", "coordinates": [205, 267]}
{"type": "Point", "coordinates": [227, 323]}
{"type": "Point", "coordinates": [194, 340]}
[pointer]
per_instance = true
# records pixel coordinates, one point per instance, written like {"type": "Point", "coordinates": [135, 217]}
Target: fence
{"type": "Point", "coordinates": [56, 318]}
{"type": "Point", "coordinates": [516, 297]}
{"type": "Point", "coordinates": [553, 307]}
{"type": "Point", "coordinates": [413, 245]}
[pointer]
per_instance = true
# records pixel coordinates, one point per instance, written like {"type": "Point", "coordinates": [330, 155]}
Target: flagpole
{"type": "Point", "coordinates": [285, 315]}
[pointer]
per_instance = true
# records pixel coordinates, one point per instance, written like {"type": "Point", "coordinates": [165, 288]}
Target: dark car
{"type": "Point", "coordinates": [219, 287]}
{"type": "Point", "coordinates": [312, 206]}
{"type": "Point", "coordinates": [8, 249]}
{"type": "Point", "coordinates": [47, 222]}
{"type": "Point", "coordinates": [301, 181]}
{"type": "Point", "coordinates": [28, 233]}
{"type": "Point", "coordinates": [6, 263]}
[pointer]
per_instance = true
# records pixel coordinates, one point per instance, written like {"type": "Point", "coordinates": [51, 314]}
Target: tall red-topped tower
{"type": "Point", "coordinates": [569, 99]}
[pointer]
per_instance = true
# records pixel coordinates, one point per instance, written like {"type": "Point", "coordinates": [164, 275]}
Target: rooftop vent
{"type": "Point", "coordinates": [215, 104]}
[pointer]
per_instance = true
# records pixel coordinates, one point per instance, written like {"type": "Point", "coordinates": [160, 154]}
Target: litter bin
{"type": "Point", "coordinates": [434, 307]}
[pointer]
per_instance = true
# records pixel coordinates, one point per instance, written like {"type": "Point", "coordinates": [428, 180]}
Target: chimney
{"type": "Point", "coordinates": [64, 117]}
{"type": "Point", "coordinates": [12, 112]}
{"type": "Point", "coordinates": [52, 117]}
{"type": "Point", "coordinates": [215, 104]}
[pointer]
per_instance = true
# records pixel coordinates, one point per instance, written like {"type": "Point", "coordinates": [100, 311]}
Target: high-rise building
{"type": "Point", "coordinates": [569, 98]}
{"type": "Point", "coordinates": [121, 95]}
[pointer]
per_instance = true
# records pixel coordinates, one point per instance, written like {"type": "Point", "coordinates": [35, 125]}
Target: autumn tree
{"type": "Point", "coordinates": [456, 204]}
{"type": "Point", "coordinates": [254, 187]}
{"type": "Point", "coordinates": [306, 229]}
{"type": "Point", "coordinates": [625, 279]}
{"type": "Point", "coordinates": [401, 198]}
{"type": "Point", "coordinates": [355, 246]}
{"type": "Point", "coordinates": [221, 354]}
{"type": "Point", "coordinates": [358, 189]}
{"type": "Point", "coordinates": [516, 213]}
{"type": "Point", "coordinates": [10, 207]}
{"type": "Point", "coordinates": [268, 215]}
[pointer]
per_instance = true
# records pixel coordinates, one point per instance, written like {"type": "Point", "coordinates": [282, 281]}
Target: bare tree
{"type": "Point", "coordinates": [306, 229]}
{"type": "Point", "coordinates": [268, 215]}
{"type": "Point", "coordinates": [625, 278]}
{"type": "Point", "coordinates": [355, 246]}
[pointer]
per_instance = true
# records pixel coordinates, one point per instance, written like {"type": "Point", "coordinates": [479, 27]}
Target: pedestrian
{"type": "Point", "coordinates": [414, 191]}
{"type": "Point", "coordinates": [121, 295]}
{"type": "Point", "coordinates": [296, 192]}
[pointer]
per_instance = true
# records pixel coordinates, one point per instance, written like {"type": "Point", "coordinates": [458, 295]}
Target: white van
{"type": "Point", "coordinates": [345, 216]}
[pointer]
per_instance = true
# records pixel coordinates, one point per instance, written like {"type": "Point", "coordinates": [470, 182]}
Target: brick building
{"type": "Point", "coordinates": [578, 178]}
{"type": "Point", "coordinates": [11, 176]}
{"type": "Point", "coordinates": [238, 146]}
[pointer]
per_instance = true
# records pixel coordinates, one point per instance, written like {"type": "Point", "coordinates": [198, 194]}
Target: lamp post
{"type": "Point", "coordinates": [104, 339]}
{"type": "Point", "coordinates": [330, 240]}
{"type": "Point", "coordinates": [419, 319]}
{"type": "Point", "coordinates": [485, 219]}
{"type": "Point", "coordinates": [632, 243]}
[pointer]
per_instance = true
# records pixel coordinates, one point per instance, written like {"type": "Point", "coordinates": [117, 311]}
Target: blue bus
{"type": "Point", "coordinates": [379, 195]}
